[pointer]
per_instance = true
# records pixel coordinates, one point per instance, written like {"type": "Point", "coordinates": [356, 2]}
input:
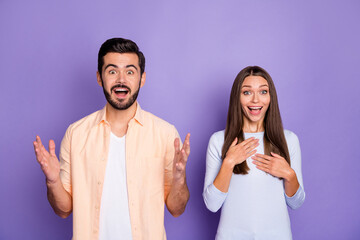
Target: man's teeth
{"type": "Point", "coordinates": [121, 90]}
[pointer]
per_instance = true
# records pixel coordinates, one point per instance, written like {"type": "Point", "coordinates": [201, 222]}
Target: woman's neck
{"type": "Point", "coordinates": [253, 127]}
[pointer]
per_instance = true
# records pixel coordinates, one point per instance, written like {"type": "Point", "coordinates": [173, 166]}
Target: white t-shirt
{"type": "Point", "coordinates": [114, 212]}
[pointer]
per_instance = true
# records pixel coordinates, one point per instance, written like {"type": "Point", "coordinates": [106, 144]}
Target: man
{"type": "Point", "coordinates": [118, 166]}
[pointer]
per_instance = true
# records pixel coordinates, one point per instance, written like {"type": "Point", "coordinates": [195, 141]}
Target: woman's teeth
{"type": "Point", "coordinates": [255, 108]}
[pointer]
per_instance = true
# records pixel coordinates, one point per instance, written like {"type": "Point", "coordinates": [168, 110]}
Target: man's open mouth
{"type": "Point", "coordinates": [120, 91]}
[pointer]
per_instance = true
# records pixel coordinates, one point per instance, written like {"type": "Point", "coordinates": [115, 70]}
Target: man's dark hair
{"type": "Point", "coordinates": [120, 45]}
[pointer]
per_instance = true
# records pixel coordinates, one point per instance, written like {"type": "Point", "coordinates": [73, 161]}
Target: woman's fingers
{"type": "Point", "coordinates": [247, 141]}
{"type": "Point", "coordinates": [251, 153]}
{"type": "Point", "coordinates": [276, 155]}
{"type": "Point", "coordinates": [240, 152]}
{"type": "Point", "coordinates": [234, 142]}
{"type": "Point", "coordinates": [251, 145]}
{"type": "Point", "coordinates": [263, 168]}
{"type": "Point", "coordinates": [263, 156]}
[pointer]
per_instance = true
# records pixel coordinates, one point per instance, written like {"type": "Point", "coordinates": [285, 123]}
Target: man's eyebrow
{"type": "Point", "coordinates": [131, 65]}
{"type": "Point", "coordinates": [111, 65]}
{"type": "Point", "coordinates": [115, 66]}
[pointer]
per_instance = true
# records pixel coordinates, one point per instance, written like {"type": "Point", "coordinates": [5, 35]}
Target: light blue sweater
{"type": "Point", "coordinates": [255, 205]}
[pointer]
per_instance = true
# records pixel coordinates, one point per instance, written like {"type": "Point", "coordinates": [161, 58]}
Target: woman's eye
{"type": "Point", "coordinates": [246, 93]}
{"type": "Point", "coordinates": [112, 72]}
{"type": "Point", "coordinates": [264, 92]}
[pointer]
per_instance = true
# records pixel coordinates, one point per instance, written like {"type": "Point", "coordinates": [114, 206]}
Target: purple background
{"type": "Point", "coordinates": [194, 49]}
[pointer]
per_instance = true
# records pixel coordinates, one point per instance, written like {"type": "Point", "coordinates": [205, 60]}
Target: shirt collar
{"type": "Point", "coordinates": [139, 114]}
{"type": "Point", "coordinates": [139, 118]}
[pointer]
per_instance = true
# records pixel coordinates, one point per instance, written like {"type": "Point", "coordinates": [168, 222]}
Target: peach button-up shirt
{"type": "Point", "coordinates": [149, 162]}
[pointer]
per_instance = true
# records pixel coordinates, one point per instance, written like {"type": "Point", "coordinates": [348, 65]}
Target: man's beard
{"type": "Point", "coordinates": [120, 104]}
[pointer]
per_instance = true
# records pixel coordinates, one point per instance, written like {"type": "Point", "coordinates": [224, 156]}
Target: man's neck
{"type": "Point", "coordinates": [119, 119]}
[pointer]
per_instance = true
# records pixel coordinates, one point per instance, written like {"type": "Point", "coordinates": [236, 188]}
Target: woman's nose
{"type": "Point", "coordinates": [255, 98]}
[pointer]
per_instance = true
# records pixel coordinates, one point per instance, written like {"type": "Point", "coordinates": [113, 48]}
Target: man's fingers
{"type": "Point", "coordinates": [39, 148]}
{"type": "Point", "coordinates": [52, 147]}
{"type": "Point", "coordinates": [184, 156]}
{"type": "Point", "coordinates": [187, 138]}
{"type": "Point", "coordinates": [186, 145]}
{"type": "Point", "coordinates": [38, 140]}
{"type": "Point", "coordinates": [181, 161]}
{"type": "Point", "coordinates": [40, 151]}
{"type": "Point", "coordinates": [37, 151]}
{"type": "Point", "coordinates": [177, 145]}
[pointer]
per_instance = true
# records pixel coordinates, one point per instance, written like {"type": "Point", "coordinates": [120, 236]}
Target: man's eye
{"type": "Point", "coordinates": [130, 72]}
{"type": "Point", "coordinates": [264, 91]}
{"type": "Point", "coordinates": [112, 72]}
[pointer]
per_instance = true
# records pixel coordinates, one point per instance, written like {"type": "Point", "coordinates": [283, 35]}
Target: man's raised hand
{"type": "Point", "coordinates": [181, 157]}
{"type": "Point", "coordinates": [48, 161]}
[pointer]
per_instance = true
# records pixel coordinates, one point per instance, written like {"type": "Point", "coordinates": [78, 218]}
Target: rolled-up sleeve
{"type": "Point", "coordinates": [169, 158]}
{"type": "Point", "coordinates": [65, 162]}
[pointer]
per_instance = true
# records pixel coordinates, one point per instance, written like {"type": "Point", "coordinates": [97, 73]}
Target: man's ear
{"type": "Point", "coordinates": [98, 78]}
{"type": "Point", "coordinates": [143, 79]}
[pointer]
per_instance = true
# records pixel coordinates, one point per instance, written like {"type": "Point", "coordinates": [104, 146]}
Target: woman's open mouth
{"type": "Point", "coordinates": [255, 110]}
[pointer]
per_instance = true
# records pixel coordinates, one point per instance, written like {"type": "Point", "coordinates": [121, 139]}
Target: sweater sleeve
{"type": "Point", "coordinates": [298, 198]}
{"type": "Point", "coordinates": [213, 197]}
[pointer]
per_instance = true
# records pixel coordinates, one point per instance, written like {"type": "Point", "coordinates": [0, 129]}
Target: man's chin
{"type": "Point", "coordinates": [121, 105]}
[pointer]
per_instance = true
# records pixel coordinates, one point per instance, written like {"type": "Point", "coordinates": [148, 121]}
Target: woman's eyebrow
{"type": "Point", "coordinates": [248, 86]}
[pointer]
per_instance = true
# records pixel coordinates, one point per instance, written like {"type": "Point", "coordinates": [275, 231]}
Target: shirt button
{"type": "Point", "coordinates": [99, 183]}
{"type": "Point", "coordinates": [97, 207]}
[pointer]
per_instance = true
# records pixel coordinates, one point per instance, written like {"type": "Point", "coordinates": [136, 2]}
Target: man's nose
{"type": "Point", "coordinates": [121, 77]}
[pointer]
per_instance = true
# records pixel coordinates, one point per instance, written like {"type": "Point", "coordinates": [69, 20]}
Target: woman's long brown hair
{"type": "Point", "coordinates": [274, 138]}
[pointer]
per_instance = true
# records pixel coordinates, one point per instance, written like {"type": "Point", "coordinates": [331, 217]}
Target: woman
{"type": "Point", "coordinates": [253, 168]}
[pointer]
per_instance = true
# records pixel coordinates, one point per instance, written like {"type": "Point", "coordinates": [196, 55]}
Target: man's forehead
{"type": "Point", "coordinates": [121, 58]}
